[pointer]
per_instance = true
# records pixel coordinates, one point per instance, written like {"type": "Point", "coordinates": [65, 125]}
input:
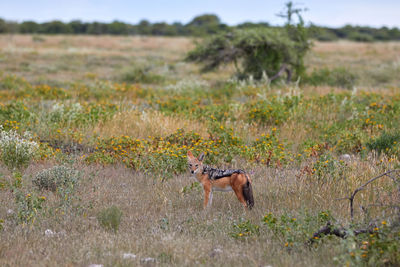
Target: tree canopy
{"type": "Point", "coordinates": [258, 50]}
{"type": "Point", "coordinates": [252, 51]}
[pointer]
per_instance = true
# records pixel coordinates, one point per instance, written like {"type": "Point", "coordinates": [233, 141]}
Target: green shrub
{"type": "Point", "coordinates": [66, 114]}
{"type": "Point", "coordinates": [47, 92]}
{"type": "Point", "coordinates": [13, 83]}
{"type": "Point", "coordinates": [339, 77]}
{"type": "Point", "coordinates": [326, 167]}
{"type": "Point", "coordinates": [345, 140]}
{"type": "Point", "coordinates": [15, 111]}
{"type": "Point", "coordinates": [387, 143]}
{"type": "Point", "coordinates": [244, 229]}
{"type": "Point", "coordinates": [386, 73]}
{"type": "Point", "coordinates": [380, 248]}
{"type": "Point", "coordinates": [28, 206]}
{"type": "Point", "coordinates": [55, 178]}
{"type": "Point", "coordinates": [110, 218]}
{"type": "Point", "coordinates": [360, 37]}
{"type": "Point", "coordinates": [16, 151]}
{"type": "Point", "coordinates": [140, 75]}
{"type": "Point", "coordinates": [162, 165]}
{"type": "Point", "coordinates": [273, 111]}
{"type": "Point", "coordinates": [292, 231]}
{"type": "Point", "coordinates": [3, 181]}
{"type": "Point", "coordinates": [326, 36]}
{"type": "Point", "coordinates": [194, 186]}
{"type": "Point", "coordinates": [38, 38]}
{"type": "Point", "coordinates": [268, 149]}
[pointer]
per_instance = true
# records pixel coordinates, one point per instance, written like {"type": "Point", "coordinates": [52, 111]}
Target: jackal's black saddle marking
{"type": "Point", "coordinates": [214, 173]}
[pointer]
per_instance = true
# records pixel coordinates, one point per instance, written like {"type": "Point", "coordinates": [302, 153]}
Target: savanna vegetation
{"type": "Point", "coordinates": [201, 25]}
{"type": "Point", "coordinates": [94, 136]}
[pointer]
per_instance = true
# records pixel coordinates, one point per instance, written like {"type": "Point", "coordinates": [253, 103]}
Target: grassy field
{"type": "Point", "coordinates": [102, 178]}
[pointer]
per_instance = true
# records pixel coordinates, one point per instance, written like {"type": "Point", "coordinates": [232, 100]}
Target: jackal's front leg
{"type": "Point", "coordinates": [207, 196]}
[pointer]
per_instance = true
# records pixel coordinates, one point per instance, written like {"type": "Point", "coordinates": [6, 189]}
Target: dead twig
{"type": "Point", "coordinates": [330, 229]}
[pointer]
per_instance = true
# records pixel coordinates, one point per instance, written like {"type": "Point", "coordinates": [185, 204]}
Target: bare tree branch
{"type": "Point", "coordinates": [342, 232]}
{"type": "Point", "coordinates": [351, 198]}
{"type": "Point", "coordinates": [289, 75]}
{"type": "Point", "coordinates": [280, 72]}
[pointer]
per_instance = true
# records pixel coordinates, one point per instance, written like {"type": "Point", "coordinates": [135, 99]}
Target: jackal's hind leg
{"type": "Point", "coordinates": [239, 194]}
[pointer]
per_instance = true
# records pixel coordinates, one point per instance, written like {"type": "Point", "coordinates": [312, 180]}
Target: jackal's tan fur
{"type": "Point", "coordinates": [231, 180]}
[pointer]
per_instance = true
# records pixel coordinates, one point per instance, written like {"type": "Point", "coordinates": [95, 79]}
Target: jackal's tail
{"type": "Point", "coordinates": [248, 193]}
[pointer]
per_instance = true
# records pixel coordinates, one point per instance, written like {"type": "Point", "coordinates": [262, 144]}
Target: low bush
{"type": "Point", "coordinates": [77, 114]}
{"type": "Point", "coordinates": [379, 248]}
{"type": "Point", "coordinates": [110, 218]}
{"type": "Point", "coordinates": [13, 83]}
{"type": "Point", "coordinates": [140, 75]}
{"type": "Point", "coordinates": [274, 111]}
{"type": "Point", "coordinates": [339, 77]}
{"type": "Point", "coordinates": [55, 178]}
{"type": "Point", "coordinates": [14, 111]}
{"type": "Point", "coordinates": [327, 167]}
{"type": "Point", "coordinates": [295, 231]}
{"type": "Point", "coordinates": [16, 151]}
{"type": "Point", "coordinates": [28, 206]}
{"type": "Point", "coordinates": [360, 37]}
{"type": "Point", "coordinates": [244, 229]}
{"type": "Point", "coordinates": [387, 143]}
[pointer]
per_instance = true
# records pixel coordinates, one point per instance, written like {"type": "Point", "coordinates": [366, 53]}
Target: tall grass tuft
{"type": "Point", "coordinates": [110, 218]}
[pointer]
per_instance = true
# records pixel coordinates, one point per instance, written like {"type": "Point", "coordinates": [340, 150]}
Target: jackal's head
{"type": "Point", "coordinates": [195, 164]}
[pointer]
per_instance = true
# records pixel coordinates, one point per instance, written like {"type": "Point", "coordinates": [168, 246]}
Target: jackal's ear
{"type": "Point", "coordinates": [201, 157]}
{"type": "Point", "coordinates": [190, 155]}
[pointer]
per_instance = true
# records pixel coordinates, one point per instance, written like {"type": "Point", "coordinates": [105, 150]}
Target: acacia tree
{"type": "Point", "coordinates": [273, 51]}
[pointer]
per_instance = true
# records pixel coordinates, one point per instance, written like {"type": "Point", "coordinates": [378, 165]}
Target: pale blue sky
{"type": "Point", "coordinates": [334, 13]}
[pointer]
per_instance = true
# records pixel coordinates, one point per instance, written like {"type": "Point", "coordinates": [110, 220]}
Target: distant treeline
{"type": "Point", "coordinates": [199, 26]}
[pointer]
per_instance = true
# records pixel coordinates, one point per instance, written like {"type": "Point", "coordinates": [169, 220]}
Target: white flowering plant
{"type": "Point", "coordinates": [16, 151]}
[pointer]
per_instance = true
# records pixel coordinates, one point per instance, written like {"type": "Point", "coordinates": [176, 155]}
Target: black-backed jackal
{"type": "Point", "coordinates": [221, 180]}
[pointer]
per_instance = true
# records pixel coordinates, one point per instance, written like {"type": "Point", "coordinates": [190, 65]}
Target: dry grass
{"type": "Point", "coordinates": [375, 64]}
{"type": "Point", "coordinates": [144, 124]}
{"type": "Point", "coordinates": [99, 45]}
{"type": "Point", "coordinates": [63, 59]}
{"type": "Point", "coordinates": [346, 52]}
{"type": "Point", "coordinates": [162, 223]}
